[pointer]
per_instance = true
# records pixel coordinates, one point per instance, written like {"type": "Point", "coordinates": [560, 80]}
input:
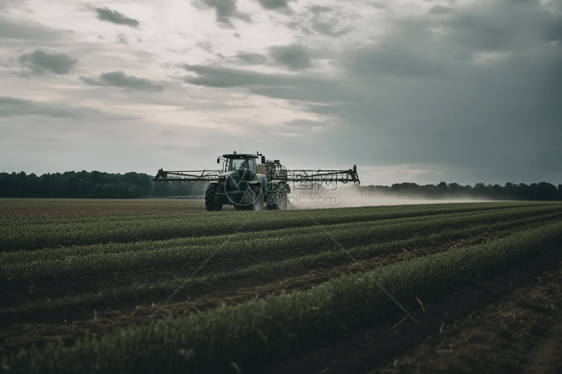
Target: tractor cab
{"type": "Point", "coordinates": [235, 162]}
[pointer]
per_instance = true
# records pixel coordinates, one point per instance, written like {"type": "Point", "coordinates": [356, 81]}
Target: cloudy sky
{"type": "Point", "coordinates": [426, 91]}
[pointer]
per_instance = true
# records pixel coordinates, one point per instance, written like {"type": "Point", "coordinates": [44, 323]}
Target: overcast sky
{"type": "Point", "coordinates": [460, 91]}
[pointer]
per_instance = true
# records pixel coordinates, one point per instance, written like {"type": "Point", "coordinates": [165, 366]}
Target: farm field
{"type": "Point", "coordinates": [86, 287]}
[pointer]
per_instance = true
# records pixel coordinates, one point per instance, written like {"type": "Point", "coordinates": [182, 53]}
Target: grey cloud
{"type": "Point", "coordinates": [483, 33]}
{"type": "Point", "coordinates": [329, 28]}
{"type": "Point", "coordinates": [212, 76]}
{"type": "Point", "coordinates": [318, 9]}
{"type": "Point", "coordinates": [224, 10]}
{"type": "Point", "coordinates": [120, 79]}
{"type": "Point", "coordinates": [207, 46]}
{"type": "Point", "coordinates": [10, 29]}
{"type": "Point", "coordinates": [114, 16]}
{"type": "Point", "coordinates": [552, 29]}
{"type": "Point", "coordinates": [439, 9]}
{"type": "Point", "coordinates": [294, 56]}
{"type": "Point", "coordinates": [501, 26]}
{"type": "Point", "coordinates": [479, 100]}
{"type": "Point", "coordinates": [9, 3]}
{"type": "Point", "coordinates": [481, 119]}
{"type": "Point", "coordinates": [524, 2]}
{"type": "Point", "coordinates": [282, 86]}
{"type": "Point", "coordinates": [12, 107]}
{"type": "Point", "coordinates": [300, 26]}
{"type": "Point", "coordinates": [40, 61]}
{"type": "Point", "coordinates": [324, 21]}
{"type": "Point", "coordinates": [274, 4]}
{"type": "Point", "coordinates": [494, 117]}
{"type": "Point", "coordinates": [302, 125]}
{"type": "Point", "coordinates": [251, 58]}
{"type": "Point", "coordinates": [122, 39]}
{"type": "Point", "coordinates": [376, 61]}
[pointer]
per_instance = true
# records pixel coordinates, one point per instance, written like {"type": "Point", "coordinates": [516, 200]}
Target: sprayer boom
{"type": "Point", "coordinates": [322, 176]}
{"type": "Point", "coordinates": [187, 176]}
{"type": "Point", "coordinates": [247, 184]}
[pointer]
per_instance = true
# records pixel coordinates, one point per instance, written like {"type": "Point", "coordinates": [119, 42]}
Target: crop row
{"type": "Point", "coordinates": [307, 261]}
{"type": "Point", "coordinates": [361, 228]}
{"type": "Point", "coordinates": [271, 248]}
{"type": "Point", "coordinates": [34, 210]}
{"type": "Point", "coordinates": [190, 214]}
{"type": "Point", "coordinates": [14, 236]}
{"type": "Point", "coordinates": [260, 330]}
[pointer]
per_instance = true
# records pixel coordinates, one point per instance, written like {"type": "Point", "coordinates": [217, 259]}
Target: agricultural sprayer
{"type": "Point", "coordinates": [250, 182]}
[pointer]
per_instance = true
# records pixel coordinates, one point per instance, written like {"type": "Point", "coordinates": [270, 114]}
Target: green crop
{"type": "Point", "coordinates": [32, 234]}
{"type": "Point", "coordinates": [264, 329]}
{"type": "Point", "coordinates": [96, 261]}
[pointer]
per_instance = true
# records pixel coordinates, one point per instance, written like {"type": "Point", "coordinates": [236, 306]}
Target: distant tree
{"type": "Point", "coordinates": [82, 184]}
{"type": "Point", "coordinates": [410, 189]}
{"type": "Point", "coordinates": [161, 190]}
{"type": "Point", "coordinates": [453, 189]}
{"type": "Point", "coordinates": [546, 191]}
{"type": "Point", "coordinates": [465, 191]}
{"type": "Point", "coordinates": [442, 188]}
{"type": "Point", "coordinates": [97, 184]}
{"type": "Point", "coordinates": [480, 190]}
{"type": "Point", "coordinates": [429, 191]}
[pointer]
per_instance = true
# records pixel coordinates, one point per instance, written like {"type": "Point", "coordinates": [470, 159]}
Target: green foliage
{"type": "Point", "coordinates": [253, 265]}
{"type": "Point", "coordinates": [511, 191]}
{"type": "Point", "coordinates": [244, 249]}
{"type": "Point", "coordinates": [18, 234]}
{"type": "Point", "coordinates": [264, 329]}
{"type": "Point", "coordinates": [85, 184]}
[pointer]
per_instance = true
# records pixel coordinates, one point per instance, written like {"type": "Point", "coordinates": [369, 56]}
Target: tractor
{"type": "Point", "coordinates": [251, 182]}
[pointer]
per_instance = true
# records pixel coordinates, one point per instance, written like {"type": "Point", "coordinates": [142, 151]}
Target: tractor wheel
{"type": "Point", "coordinates": [273, 201]}
{"type": "Point", "coordinates": [272, 207]}
{"type": "Point", "coordinates": [210, 199]}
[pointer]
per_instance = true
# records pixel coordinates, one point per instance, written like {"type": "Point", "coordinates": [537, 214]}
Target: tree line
{"type": "Point", "coordinates": [84, 184]}
{"type": "Point", "coordinates": [511, 191]}
{"type": "Point", "coordinates": [95, 184]}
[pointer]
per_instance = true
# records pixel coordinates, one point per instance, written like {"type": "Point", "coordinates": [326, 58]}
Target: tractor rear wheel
{"type": "Point", "coordinates": [210, 198]}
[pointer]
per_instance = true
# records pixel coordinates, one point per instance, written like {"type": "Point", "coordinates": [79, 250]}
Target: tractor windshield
{"type": "Point", "coordinates": [242, 163]}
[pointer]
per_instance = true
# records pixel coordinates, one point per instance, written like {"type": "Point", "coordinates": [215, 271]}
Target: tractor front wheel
{"type": "Point", "coordinates": [210, 198]}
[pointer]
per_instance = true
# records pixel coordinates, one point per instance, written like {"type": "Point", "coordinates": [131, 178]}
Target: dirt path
{"type": "Point", "coordinates": [22, 330]}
